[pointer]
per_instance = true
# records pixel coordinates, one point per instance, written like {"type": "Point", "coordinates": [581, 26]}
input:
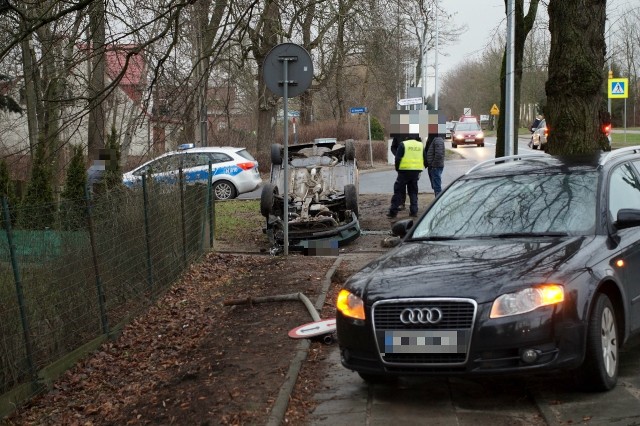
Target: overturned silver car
{"type": "Point", "coordinates": [323, 195]}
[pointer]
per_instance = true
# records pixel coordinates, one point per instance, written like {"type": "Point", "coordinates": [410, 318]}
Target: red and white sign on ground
{"type": "Point", "coordinates": [313, 329]}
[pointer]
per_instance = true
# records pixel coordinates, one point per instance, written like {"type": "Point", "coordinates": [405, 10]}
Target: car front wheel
{"type": "Point", "coordinates": [600, 369]}
{"type": "Point", "coordinates": [224, 190]}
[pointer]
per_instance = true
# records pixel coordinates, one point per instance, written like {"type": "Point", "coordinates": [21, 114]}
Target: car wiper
{"type": "Point", "coordinates": [435, 238]}
{"type": "Point", "coordinates": [529, 234]}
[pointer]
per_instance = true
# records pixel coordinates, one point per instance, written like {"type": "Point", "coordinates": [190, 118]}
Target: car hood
{"type": "Point", "coordinates": [476, 269]}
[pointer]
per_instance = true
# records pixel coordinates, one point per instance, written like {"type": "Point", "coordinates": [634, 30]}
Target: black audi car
{"type": "Point", "coordinates": [525, 264]}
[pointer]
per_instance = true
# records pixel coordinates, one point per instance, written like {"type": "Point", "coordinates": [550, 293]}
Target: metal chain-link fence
{"type": "Point", "coordinates": [66, 288]}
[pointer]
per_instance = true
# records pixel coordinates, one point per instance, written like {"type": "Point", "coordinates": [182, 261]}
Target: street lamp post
{"type": "Point", "coordinates": [436, 63]}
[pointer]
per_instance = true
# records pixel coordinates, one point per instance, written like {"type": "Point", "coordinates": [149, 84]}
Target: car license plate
{"type": "Point", "coordinates": [469, 140]}
{"type": "Point", "coordinates": [424, 342]}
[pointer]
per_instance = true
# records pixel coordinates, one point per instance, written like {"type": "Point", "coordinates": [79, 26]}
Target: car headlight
{"type": "Point", "coordinates": [480, 135]}
{"type": "Point", "coordinates": [350, 305]}
{"type": "Point", "coordinates": [527, 300]}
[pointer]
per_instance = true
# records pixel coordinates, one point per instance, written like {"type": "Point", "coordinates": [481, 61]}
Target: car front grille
{"type": "Point", "coordinates": [442, 341]}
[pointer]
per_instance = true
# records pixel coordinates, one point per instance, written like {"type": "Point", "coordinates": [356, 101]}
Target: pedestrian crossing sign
{"type": "Point", "coordinates": [618, 88]}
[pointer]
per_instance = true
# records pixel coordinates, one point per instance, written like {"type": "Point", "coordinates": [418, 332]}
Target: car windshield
{"type": "Point", "coordinates": [467, 126]}
{"type": "Point", "coordinates": [520, 205]}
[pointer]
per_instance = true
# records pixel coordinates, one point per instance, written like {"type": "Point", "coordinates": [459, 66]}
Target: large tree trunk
{"type": "Point", "coordinates": [263, 41]}
{"type": "Point", "coordinates": [523, 25]}
{"type": "Point", "coordinates": [576, 73]}
{"type": "Point", "coordinates": [341, 52]}
{"type": "Point", "coordinates": [97, 136]}
{"type": "Point", "coordinates": [267, 102]}
{"type": "Point", "coordinates": [31, 97]}
{"type": "Point", "coordinates": [306, 107]}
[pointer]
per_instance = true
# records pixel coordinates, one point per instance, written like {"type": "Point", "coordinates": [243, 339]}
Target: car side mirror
{"type": "Point", "coordinates": [402, 227]}
{"type": "Point", "coordinates": [627, 218]}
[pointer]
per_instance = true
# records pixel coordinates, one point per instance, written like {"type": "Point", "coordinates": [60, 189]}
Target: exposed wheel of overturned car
{"type": "Point", "coordinates": [267, 197]}
{"type": "Point", "coordinates": [276, 153]}
{"type": "Point", "coordinates": [349, 151]}
{"type": "Point", "coordinates": [351, 198]}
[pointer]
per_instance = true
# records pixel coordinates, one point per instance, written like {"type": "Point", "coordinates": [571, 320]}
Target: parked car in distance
{"type": "Point", "coordinates": [522, 266]}
{"type": "Point", "coordinates": [539, 136]}
{"type": "Point", "coordinates": [234, 170]}
{"type": "Point", "coordinates": [322, 200]}
{"type": "Point", "coordinates": [467, 132]}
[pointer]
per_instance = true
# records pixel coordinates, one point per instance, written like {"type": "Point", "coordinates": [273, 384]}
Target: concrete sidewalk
{"type": "Point", "coordinates": [345, 399]}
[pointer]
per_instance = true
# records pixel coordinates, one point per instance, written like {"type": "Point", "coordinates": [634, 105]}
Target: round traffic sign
{"type": "Point", "coordinates": [299, 69]}
{"type": "Point", "coordinates": [312, 329]}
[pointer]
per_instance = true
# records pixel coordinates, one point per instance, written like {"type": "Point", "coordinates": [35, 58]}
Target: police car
{"type": "Point", "coordinates": [234, 170]}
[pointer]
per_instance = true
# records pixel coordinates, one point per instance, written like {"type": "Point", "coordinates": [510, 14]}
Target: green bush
{"type": "Point", "coordinates": [73, 204]}
{"type": "Point", "coordinates": [38, 205]}
{"type": "Point", "coordinates": [377, 131]}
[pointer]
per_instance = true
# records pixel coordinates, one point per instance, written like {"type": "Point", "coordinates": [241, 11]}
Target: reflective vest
{"type": "Point", "coordinates": [413, 157]}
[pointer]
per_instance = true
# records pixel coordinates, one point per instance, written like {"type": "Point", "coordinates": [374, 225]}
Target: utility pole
{"type": "Point", "coordinates": [509, 84]}
{"type": "Point", "coordinates": [436, 62]}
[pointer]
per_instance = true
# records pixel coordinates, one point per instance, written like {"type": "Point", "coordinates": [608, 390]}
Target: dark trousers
{"type": "Point", "coordinates": [435, 177]}
{"type": "Point", "coordinates": [406, 180]}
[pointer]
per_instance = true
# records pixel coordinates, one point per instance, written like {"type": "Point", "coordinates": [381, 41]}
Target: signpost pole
{"type": "Point", "coordinates": [371, 149]}
{"type": "Point", "coordinates": [625, 120]}
{"type": "Point", "coordinates": [287, 60]}
{"type": "Point", "coordinates": [285, 89]}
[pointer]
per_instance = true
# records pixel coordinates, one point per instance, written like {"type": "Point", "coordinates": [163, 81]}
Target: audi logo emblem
{"type": "Point", "coordinates": [421, 315]}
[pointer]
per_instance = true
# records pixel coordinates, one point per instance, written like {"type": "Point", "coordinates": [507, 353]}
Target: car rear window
{"type": "Point", "coordinates": [245, 154]}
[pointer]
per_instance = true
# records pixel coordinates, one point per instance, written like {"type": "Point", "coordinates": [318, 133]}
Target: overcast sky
{"type": "Point", "coordinates": [482, 18]}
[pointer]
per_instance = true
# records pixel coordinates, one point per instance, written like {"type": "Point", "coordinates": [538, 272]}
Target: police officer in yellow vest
{"type": "Point", "coordinates": [410, 161]}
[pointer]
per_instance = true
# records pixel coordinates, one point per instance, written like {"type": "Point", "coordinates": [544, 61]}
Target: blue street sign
{"type": "Point", "coordinates": [358, 110]}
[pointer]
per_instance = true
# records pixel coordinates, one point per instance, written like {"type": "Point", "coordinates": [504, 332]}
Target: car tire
{"type": "Point", "coordinates": [224, 190]}
{"type": "Point", "coordinates": [267, 197]}
{"type": "Point", "coordinates": [349, 151]}
{"type": "Point", "coordinates": [351, 198]}
{"type": "Point", "coordinates": [599, 372]}
{"type": "Point", "coordinates": [454, 145]}
{"type": "Point", "coordinates": [276, 153]}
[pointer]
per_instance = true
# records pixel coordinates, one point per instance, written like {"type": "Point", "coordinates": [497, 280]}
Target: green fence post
{"type": "Point", "coordinates": [94, 252]}
{"type": "Point", "coordinates": [182, 214]}
{"type": "Point", "coordinates": [18, 281]}
{"type": "Point", "coordinates": [147, 234]}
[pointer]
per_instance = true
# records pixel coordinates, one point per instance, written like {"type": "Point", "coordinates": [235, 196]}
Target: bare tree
{"type": "Point", "coordinates": [96, 134]}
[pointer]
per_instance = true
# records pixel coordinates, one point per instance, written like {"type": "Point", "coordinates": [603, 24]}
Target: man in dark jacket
{"type": "Point", "coordinates": [410, 161]}
{"type": "Point", "coordinates": [435, 163]}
